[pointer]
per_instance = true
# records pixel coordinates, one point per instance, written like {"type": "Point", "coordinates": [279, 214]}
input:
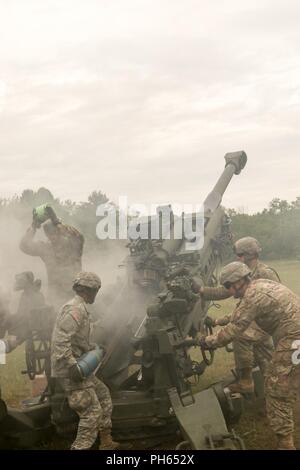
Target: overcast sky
{"type": "Point", "coordinates": [144, 97]}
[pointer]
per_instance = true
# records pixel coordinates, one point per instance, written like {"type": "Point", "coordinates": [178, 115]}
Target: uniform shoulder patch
{"type": "Point", "coordinates": [76, 314]}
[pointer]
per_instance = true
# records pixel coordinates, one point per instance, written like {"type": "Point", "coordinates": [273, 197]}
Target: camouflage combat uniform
{"type": "Point", "coordinates": [30, 299]}
{"type": "Point", "coordinates": [253, 346]}
{"type": "Point", "coordinates": [62, 260]}
{"type": "Point", "coordinates": [276, 310]}
{"type": "Point", "coordinates": [90, 398]}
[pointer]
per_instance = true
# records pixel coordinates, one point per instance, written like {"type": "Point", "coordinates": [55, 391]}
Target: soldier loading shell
{"type": "Point", "coordinates": [61, 254]}
{"type": "Point", "coordinates": [87, 396]}
{"type": "Point", "coordinates": [276, 310]}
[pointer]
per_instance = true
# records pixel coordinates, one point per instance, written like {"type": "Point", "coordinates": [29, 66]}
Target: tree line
{"type": "Point", "coordinates": [277, 227]}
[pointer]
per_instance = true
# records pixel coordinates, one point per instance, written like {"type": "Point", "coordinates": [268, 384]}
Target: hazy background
{"type": "Point", "coordinates": [144, 98]}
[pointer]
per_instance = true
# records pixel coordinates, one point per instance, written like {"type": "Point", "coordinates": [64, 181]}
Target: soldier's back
{"type": "Point", "coordinates": [277, 307]}
{"type": "Point", "coordinates": [262, 271]}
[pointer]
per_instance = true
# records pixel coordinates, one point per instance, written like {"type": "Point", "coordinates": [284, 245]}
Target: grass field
{"type": "Point", "coordinates": [254, 429]}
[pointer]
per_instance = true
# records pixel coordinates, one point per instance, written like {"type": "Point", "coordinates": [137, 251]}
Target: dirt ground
{"type": "Point", "coordinates": [253, 428]}
{"type": "Point", "coordinates": [256, 432]}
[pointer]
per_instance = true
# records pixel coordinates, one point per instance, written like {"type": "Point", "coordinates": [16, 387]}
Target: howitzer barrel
{"type": "Point", "coordinates": [235, 162]}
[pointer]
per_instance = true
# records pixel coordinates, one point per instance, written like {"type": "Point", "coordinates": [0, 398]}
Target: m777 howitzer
{"type": "Point", "coordinates": [148, 365]}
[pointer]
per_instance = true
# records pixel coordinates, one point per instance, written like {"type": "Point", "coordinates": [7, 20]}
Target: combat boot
{"type": "Point", "coordinates": [286, 442]}
{"type": "Point", "coordinates": [245, 384]}
{"type": "Point", "coordinates": [107, 442]}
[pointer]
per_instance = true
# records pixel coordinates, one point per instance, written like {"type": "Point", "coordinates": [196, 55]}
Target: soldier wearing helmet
{"type": "Point", "coordinates": [30, 299]}
{"type": "Point", "coordinates": [247, 250]}
{"type": "Point", "coordinates": [61, 254]}
{"type": "Point", "coordinates": [233, 273]}
{"type": "Point", "coordinates": [254, 346]}
{"type": "Point", "coordinates": [88, 397]}
{"type": "Point", "coordinates": [248, 247]}
{"type": "Point", "coordinates": [276, 310]}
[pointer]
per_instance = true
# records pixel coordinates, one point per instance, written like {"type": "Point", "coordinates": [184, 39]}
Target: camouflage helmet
{"type": "Point", "coordinates": [87, 279]}
{"type": "Point", "coordinates": [247, 246]}
{"type": "Point", "coordinates": [233, 272]}
{"type": "Point", "coordinates": [23, 280]}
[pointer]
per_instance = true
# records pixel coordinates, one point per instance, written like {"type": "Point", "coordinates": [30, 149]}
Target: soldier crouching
{"type": "Point", "coordinates": [87, 396]}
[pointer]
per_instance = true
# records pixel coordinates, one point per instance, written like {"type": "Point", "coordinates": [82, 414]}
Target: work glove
{"type": "Point", "coordinates": [75, 373]}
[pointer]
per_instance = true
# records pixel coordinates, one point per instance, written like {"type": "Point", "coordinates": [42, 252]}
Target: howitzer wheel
{"type": "Point", "coordinates": [36, 357]}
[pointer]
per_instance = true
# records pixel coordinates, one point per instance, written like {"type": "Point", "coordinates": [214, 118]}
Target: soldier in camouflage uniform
{"type": "Point", "coordinates": [61, 254]}
{"type": "Point", "coordinates": [276, 310]}
{"type": "Point", "coordinates": [18, 325]}
{"type": "Point", "coordinates": [254, 346]}
{"type": "Point", "coordinates": [88, 397]}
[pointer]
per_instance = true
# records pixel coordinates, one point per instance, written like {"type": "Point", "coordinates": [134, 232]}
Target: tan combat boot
{"type": "Point", "coordinates": [286, 442]}
{"type": "Point", "coordinates": [107, 442]}
{"type": "Point", "coordinates": [245, 384]}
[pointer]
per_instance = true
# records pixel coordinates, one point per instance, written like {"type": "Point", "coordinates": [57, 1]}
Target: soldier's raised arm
{"type": "Point", "coordinates": [214, 293]}
{"type": "Point", "coordinates": [241, 318]}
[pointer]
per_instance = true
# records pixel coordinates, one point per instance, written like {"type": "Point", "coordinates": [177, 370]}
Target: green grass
{"type": "Point", "coordinates": [289, 272]}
